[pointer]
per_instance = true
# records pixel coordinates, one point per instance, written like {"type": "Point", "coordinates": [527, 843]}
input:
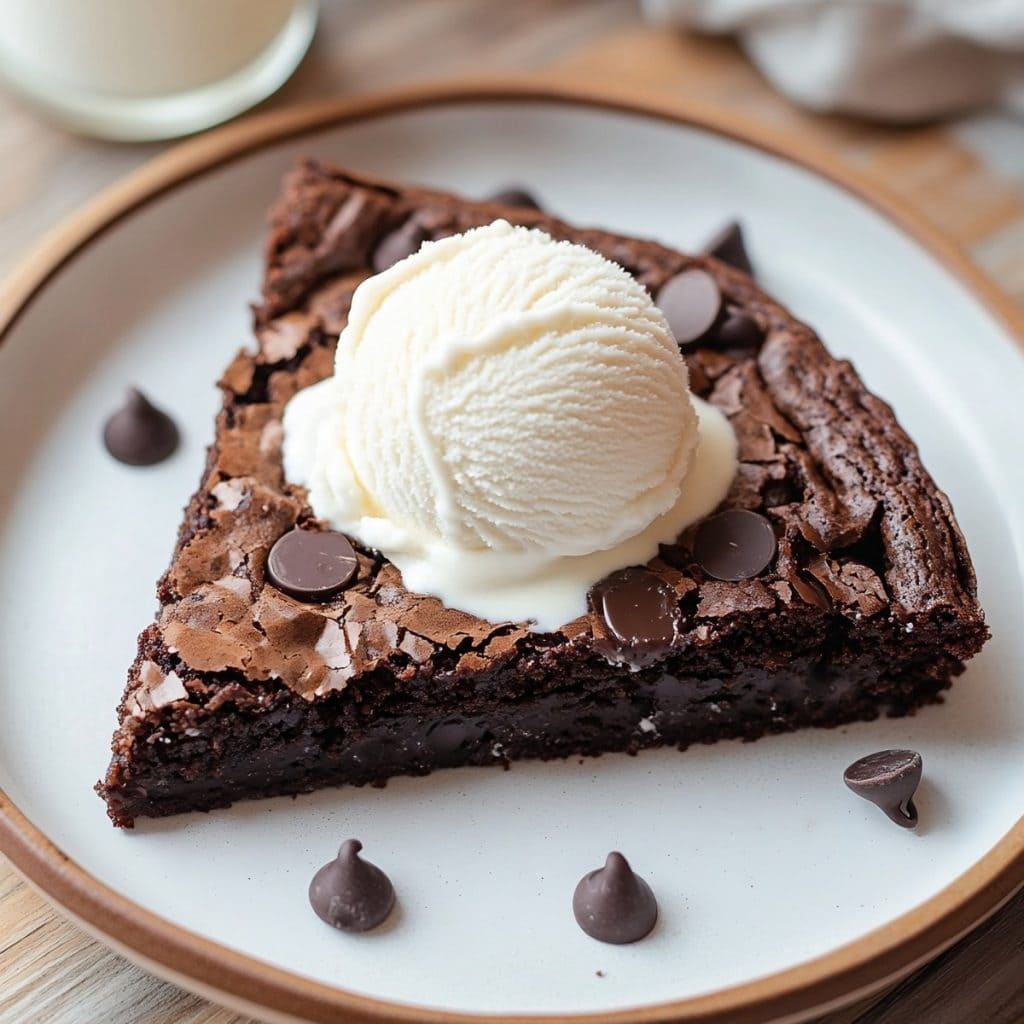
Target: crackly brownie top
{"type": "Point", "coordinates": [863, 534]}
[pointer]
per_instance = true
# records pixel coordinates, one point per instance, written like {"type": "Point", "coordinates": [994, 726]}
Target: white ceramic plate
{"type": "Point", "coordinates": [760, 858]}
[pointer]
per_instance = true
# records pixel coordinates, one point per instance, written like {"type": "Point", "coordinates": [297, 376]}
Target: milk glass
{"type": "Point", "coordinates": [150, 69]}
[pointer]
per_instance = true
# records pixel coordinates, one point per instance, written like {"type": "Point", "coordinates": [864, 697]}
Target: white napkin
{"type": "Point", "coordinates": [898, 60]}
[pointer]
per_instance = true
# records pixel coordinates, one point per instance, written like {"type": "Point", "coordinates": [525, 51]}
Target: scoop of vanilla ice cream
{"type": "Point", "coordinates": [503, 405]}
{"type": "Point", "coordinates": [502, 390]}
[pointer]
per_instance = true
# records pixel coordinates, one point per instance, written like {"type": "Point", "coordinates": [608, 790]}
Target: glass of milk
{"type": "Point", "coordinates": [150, 69]}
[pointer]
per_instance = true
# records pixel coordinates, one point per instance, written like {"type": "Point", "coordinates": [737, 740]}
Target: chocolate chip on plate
{"type": "Point", "coordinates": [514, 196]}
{"type": "Point", "coordinates": [728, 246]}
{"type": "Point", "coordinates": [641, 612]}
{"type": "Point", "coordinates": [734, 545]}
{"type": "Point", "coordinates": [738, 330]}
{"type": "Point", "coordinates": [310, 565]}
{"type": "Point", "coordinates": [691, 302]}
{"type": "Point", "coordinates": [403, 241]}
{"type": "Point", "coordinates": [612, 904]}
{"type": "Point", "coordinates": [889, 779]}
{"type": "Point", "coordinates": [140, 434]}
{"type": "Point", "coordinates": [351, 894]}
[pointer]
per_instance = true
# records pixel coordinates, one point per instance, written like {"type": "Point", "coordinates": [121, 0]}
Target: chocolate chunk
{"type": "Point", "coordinates": [734, 545]}
{"type": "Point", "coordinates": [691, 302]}
{"type": "Point", "coordinates": [641, 612]}
{"type": "Point", "coordinates": [140, 434]}
{"type": "Point", "coordinates": [738, 330]}
{"type": "Point", "coordinates": [514, 196]}
{"type": "Point", "coordinates": [351, 894]}
{"type": "Point", "coordinates": [889, 780]}
{"type": "Point", "coordinates": [728, 246]}
{"type": "Point", "coordinates": [402, 242]}
{"type": "Point", "coordinates": [612, 904]}
{"type": "Point", "coordinates": [310, 565]}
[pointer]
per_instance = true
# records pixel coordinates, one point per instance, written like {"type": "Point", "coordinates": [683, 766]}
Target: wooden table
{"type": "Point", "coordinates": [967, 178]}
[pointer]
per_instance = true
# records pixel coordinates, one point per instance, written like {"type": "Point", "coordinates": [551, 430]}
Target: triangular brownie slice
{"type": "Point", "coordinates": [869, 606]}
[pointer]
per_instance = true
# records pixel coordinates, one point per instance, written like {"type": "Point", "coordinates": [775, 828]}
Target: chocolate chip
{"type": "Point", "coordinates": [514, 196]}
{"type": "Point", "coordinates": [691, 302]}
{"type": "Point", "coordinates": [728, 246]}
{"type": "Point", "coordinates": [140, 434]}
{"type": "Point", "coordinates": [402, 242]}
{"type": "Point", "coordinates": [889, 780]}
{"type": "Point", "coordinates": [351, 894]}
{"type": "Point", "coordinates": [734, 545]}
{"type": "Point", "coordinates": [310, 565]}
{"type": "Point", "coordinates": [612, 904]}
{"type": "Point", "coordinates": [641, 612]}
{"type": "Point", "coordinates": [738, 330]}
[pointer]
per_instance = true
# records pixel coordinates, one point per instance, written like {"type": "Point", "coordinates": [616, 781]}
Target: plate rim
{"type": "Point", "coordinates": [828, 981]}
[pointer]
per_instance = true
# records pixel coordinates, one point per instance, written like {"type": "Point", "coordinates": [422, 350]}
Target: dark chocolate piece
{"type": "Point", "coordinates": [691, 302]}
{"type": "Point", "coordinates": [515, 196]}
{"type": "Point", "coordinates": [641, 612]}
{"type": "Point", "coordinates": [728, 246]}
{"type": "Point", "coordinates": [351, 894]}
{"type": "Point", "coordinates": [395, 246]}
{"type": "Point", "coordinates": [738, 330]}
{"type": "Point", "coordinates": [889, 779]}
{"type": "Point", "coordinates": [612, 904]}
{"type": "Point", "coordinates": [737, 544]}
{"type": "Point", "coordinates": [140, 434]}
{"type": "Point", "coordinates": [311, 565]}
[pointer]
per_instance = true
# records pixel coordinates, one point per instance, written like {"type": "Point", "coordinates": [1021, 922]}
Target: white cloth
{"type": "Point", "coordinates": [898, 60]}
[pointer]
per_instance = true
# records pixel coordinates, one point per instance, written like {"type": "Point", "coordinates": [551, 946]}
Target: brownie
{"type": "Point", "coordinates": [869, 606]}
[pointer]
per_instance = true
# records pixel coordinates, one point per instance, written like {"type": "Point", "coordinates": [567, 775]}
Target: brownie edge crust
{"type": "Point", "coordinates": [869, 607]}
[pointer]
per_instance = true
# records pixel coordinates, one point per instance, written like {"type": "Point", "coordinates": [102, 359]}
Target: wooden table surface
{"type": "Point", "coordinates": [967, 178]}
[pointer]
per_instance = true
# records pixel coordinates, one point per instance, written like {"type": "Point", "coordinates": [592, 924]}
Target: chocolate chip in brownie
{"type": "Point", "coordinates": [738, 330]}
{"type": "Point", "coordinates": [613, 904]}
{"type": "Point", "coordinates": [140, 434]}
{"type": "Point", "coordinates": [515, 196]}
{"type": "Point", "coordinates": [691, 302]}
{"type": "Point", "coordinates": [351, 894]}
{"type": "Point", "coordinates": [403, 241]}
{"type": "Point", "coordinates": [734, 545]}
{"type": "Point", "coordinates": [641, 613]}
{"type": "Point", "coordinates": [728, 246]}
{"type": "Point", "coordinates": [310, 565]}
{"type": "Point", "coordinates": [889, 779]}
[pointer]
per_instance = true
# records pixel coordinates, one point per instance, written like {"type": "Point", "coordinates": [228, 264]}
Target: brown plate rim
{"type": "Point", "coordinates": [833, 979]}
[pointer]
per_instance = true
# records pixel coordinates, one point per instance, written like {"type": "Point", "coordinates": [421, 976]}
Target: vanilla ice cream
{"type": "Point", "coordinates": [508, 421]}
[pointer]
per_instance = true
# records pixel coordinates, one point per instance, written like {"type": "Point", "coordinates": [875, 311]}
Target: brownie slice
{"type": "Point", "coordinates": [868, 608]}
